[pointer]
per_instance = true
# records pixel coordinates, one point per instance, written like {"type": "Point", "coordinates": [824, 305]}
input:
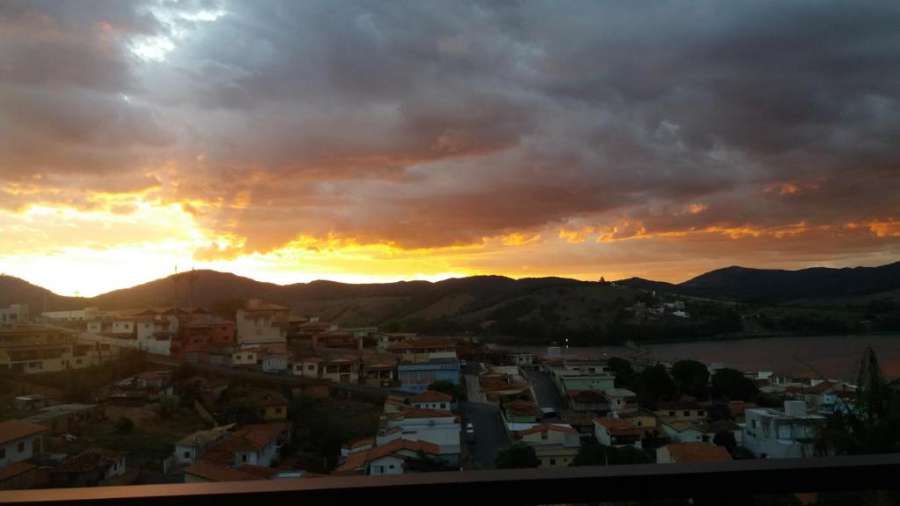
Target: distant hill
{"type": "Point", "coordinates": [519, 306]}
{"type": "Point", "coordinates": [741, 283]}
{"type": "Point", "coordinates": [18, 291]}
{"type": "Point", "coordinates": [773, 285]}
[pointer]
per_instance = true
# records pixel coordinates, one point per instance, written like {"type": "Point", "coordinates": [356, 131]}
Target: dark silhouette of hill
{"type": "Point", "coordinates": [745, 284]}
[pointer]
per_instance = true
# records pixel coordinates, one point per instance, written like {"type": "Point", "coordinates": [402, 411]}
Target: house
{"type": "Point", "coordinates": [555, 445]}
{"type": "Point", "coordinates": [31, 402]}
{"type": "Point", "coordinates": [189, 448]}
{"type": "Point", "coordinates": [378, 370]}
{"type": "Point", "coordinates": [711, 429]}
{"type": "Point", "coordinates": [14, 315]}
{"type": "Point", "coordinates": [262, 323]}
{"type": "Point", "coordinates": [778, 434]}
{"type": "Point", "coordinates": [357, 445]}
{"type": "Point", "coordinates": [254, 445]}
{"type": "Point", "coordinates": [621, 400]}
{"type": "Point", "coordinates": [91, 467]}
{"type": "Point", "coordinates": [67, 418]}
{"type": "Point", "coordinates": [522, 359]}
{"type": "Point", "coordinates": [684, 431]}
{"type": "Point", "coordinates": [416, 377]}
{"type": "Point", "coordinates": [274, 362]}
{"type": "Point", "coordinates": [307, 367]}
{"type": "Point", "coordinates": [244, 358]}
{"type": "Point", "coordinates": [684, 453]}
{"type": "Point", "coordinates": [521, 411]}
{"type": "Point", "coordinates": [205, 472]}
{"type": "Point", "coordinates": [22, 475]}
{"type": "Point", "coordinates": [680, 411]}
{"type": "Point", "coordinates": [588, 401]}
{"type": "Point", "coordinates": [272, 406]}
{"type": "Point", "coordinates": [577, 375]}
{"type": "Point", "coordinates": [35, 349]}
{"type": "Point", "coordinates": [399, 456]}
{"type": "Point", "coordinates": [341, 369]}
{"type": "Point", "coordinates": [431, 399]}
{"type": "Point", "coordinates": [617, 432]}
{"type": "Point", "coordinates": [441, 428]}
{"type": "Point", "coordinates": [19, 441]}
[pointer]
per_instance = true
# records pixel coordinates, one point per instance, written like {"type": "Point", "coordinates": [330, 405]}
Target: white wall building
{"type": "Point", "coordinates": [19, 441]}
{"type": "Point", "coordinates": [779, 434]}
{"type": "Point", "coordinates": [14, 314]}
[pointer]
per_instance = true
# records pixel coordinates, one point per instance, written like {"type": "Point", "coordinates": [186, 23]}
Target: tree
{"type": "Point", "coordinates": [594, 454]}
{"type": "Point", "coordinates": [654, 384]}
{"type": "Point", "coordinates": [446, 387]}
{"type": "Point", "coordinates": [725, 439]}
{"type": "Point", "coordinates": [124, 425]}
{"type": "Point", "coordinates": [731, 384]}
{"type": "Point", "coordinates": [625, 375]}
{"type": "Point", "coordinates": [691, 378]}
{"type": "Point", "coordinates": [517, 456]}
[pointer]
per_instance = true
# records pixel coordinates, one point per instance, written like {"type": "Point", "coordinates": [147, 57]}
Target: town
{"type": "Point", "coordinates": [179, 394]}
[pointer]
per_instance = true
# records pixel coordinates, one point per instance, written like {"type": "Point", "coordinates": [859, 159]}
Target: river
{"type": "Point", "coordinates": [832, 356]}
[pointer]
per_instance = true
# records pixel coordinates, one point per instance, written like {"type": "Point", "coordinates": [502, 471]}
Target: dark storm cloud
{"type": "Point", "coordinates": [436, 123]}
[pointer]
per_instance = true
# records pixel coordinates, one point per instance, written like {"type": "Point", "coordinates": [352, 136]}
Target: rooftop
{"type": "Point", "coordinates": [683, 453]}
{"type": "Point", "coordinates": [432, 396]}
{"type": "Point", "coordinates": [17, 429]}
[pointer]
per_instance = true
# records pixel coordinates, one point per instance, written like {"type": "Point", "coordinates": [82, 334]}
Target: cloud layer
{"type": "Point", "coordinates": [605, 131]}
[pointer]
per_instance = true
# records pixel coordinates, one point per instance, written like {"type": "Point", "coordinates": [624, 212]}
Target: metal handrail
{"type": "Point", "coordinates": [719, 481]}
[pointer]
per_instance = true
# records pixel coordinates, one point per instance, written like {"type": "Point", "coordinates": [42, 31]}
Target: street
{"type": "Point", "coordinates": [544, 389]}
{"type": "Point", "coordinates": [490, 436]}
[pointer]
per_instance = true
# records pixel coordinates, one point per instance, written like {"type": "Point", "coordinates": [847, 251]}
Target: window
{"type": "Point", "coordinates": [391, 466]}
{"type": "Point", "coordinates": [687, 413]}
{"type": "Point", "coordinates": [671, 413]}
{"type": "Point", "coordinates": [21, 447]}
{"type": "Point", "coordinates": [243, 457]}
{"type": "Point", "coordinates": [552, 462]}
{"type": "Point", "coordinates": [187, 455]}
{"type": "Point", "coordinates": [2, 453]}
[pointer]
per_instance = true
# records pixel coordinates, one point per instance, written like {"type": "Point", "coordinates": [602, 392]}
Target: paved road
{"type": "Point", "coordinates": [545, 390]}
{"type": "Point", "coordinates": [490, 435]}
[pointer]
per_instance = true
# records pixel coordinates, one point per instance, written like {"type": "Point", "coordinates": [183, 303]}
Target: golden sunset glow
{"type": "Point", "coordinates": [333, 142]}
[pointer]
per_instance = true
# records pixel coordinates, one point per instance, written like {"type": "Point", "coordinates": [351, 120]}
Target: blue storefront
{"type": "Point", "coordinates": [416, 376]}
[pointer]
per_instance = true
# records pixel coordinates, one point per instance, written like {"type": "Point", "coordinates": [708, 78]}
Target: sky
{"type": "Point", "coordinates": [365, 141]}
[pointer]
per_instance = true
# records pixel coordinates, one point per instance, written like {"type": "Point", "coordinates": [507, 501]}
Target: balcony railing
{"type": "Point", "coordinates": [708, 483]}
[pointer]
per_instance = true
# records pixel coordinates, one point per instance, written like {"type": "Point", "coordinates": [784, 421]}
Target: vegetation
{"type": "Point", "coordinates": [321, 426]}
{"type": "Point", "coordinates": [595, 454]}
{"type": "Point", "coordinates": [457, 391]}
{"type": "Point", "coordinates": [517, 456]}
{"type": "Point", "coordinates": [732, 385]}
{"type": "Point", "coordinates": [691, 378]}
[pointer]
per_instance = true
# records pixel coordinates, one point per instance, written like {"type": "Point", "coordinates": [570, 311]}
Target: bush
{"type": "Point", "coordinates": [124, 425]}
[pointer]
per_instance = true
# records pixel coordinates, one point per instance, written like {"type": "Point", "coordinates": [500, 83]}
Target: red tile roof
{"type": "Point", "coordinates": [358, 460]}
{"type": "Point", "coordinates": [426, 413]}
{"type": "Point", "coordinates": [546, 427]}
{"type": "Point", "coordinates": [432, 396]}
{"type": "Point", "coordinates": [212, 471]}
{"type": "Point", "coordinates": [18, 429]}
{"type": "Point", "coordinates": [618, 427]}
{"type": "Point", "coordinates": [15, 469]}
{"type": "Point", "coordinates": [697, 452]}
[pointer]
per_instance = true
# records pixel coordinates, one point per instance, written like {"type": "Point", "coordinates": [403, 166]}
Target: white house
{"type": "Point", "coordinates": [255, 445]}
{"type": "Point", "coordinates": [189, 448]}
{"type": "Point", "coordinates": [307, 367]}
{"type": "Point", "coordinates": [395, 457]}
{"type": "Point", "coordinates": [441, 428]}
{"type": "Point", "coordinates": [621, 400]}
{"type": "Point", "coordinates": [555, 445]}
{"type": "Point", "coordinates": [275, 362]}
{"type": "Point", "coordinates": [617, 432]}
{"type": "Point", "coordinates": [683, 431]}
{"type": "Point", "coordinates": [431, 399]}
{"type": "Point", "coordinates": [19, 441]}
{"type": "Point", "coordinates": [778, 434]}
